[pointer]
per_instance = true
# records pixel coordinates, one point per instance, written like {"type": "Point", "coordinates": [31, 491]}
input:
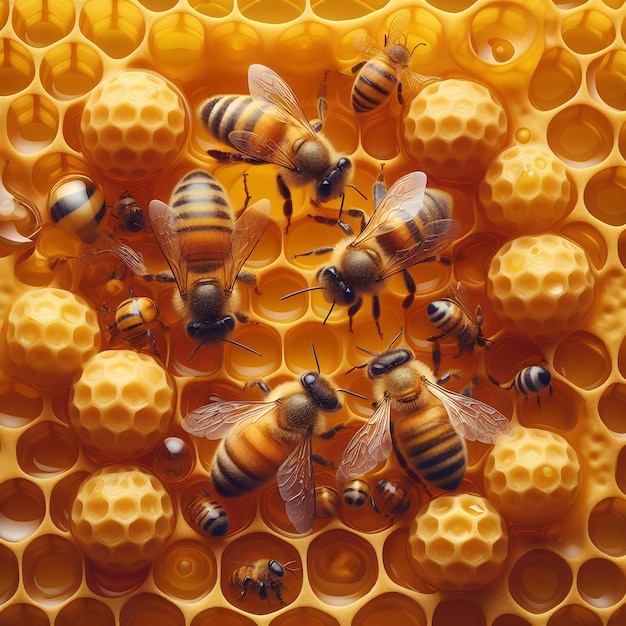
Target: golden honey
{"type": "Point", "coordinates": [522, 123]}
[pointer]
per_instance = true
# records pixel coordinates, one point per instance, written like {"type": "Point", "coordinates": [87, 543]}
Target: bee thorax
{"type": "Point", "coordinates": [361, 267]}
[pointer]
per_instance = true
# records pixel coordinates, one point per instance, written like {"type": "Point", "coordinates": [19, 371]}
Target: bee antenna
{"type": "Point", "coordinates": [236, 343]}
{"type": "Point", "coordinates": [362, 349]}
{"type": "Point", "coordinates": [332, 306]}
{"type": "Point", "coordinates": [358, 191]}
{"type": "Point", "coordinates": [395, 338]}
{"type": "Point", "coordinates": [295, 293]}
{"type": "Point", "coordinates": [352, 393]}
{"type": "Point", "coordinates": [315, 356]}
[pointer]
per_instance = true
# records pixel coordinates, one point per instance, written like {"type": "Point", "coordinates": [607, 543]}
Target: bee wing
{"type": "Point", "coordinates": [400, 204]}
{"type": "Point", "coordinates": [217, 419]}
{"type": "Point", "coordinates": [296, 485]}
{"type": "Point", "coordinates": [458, 294]}
{"type": "Point", "coordinates": [160, 217]}
{"type": "Point", "coordinates": [473, 419]}
{"type": "Point", "coordinates": [261, 148]}
{"type": "Point", "coordinates": [132, 258]}
{"type": "Point", "coordinates": [268, 86]}
{"type": "Point", "coordinates": [436, 236]}
{"type": "Point", "coordinates": [398, 26]}
{"type": "Point", "coordinates": [248, 230]}
{"type": "Point", "coordinates": [370, 445]}
{"type": "Point", "coordinates": [367, 45]}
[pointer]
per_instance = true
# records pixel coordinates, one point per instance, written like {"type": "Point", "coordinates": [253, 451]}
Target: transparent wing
{"type": "Point", "coordinates": [161, 219]}
{"type": "Point", "coordinates": [268, 86]}
{"type": "Point", "coordinates": [296, 485]}
{"type": "Point", "coordinates": [436, 236]}
{"type": "Point", "coordinates": [261, 148]}
{"type": "Point", "coordinates": [400, 204]}
{"type": "Point", "coordinates": [248, 230]}
{"type": "Point", "coordinates": [473, 419]}
{"type": "Point", "coordinates": [367, 45]}
{"type": "Point", "coordinates": [398, 26]}
{"type": "Point", "coordinates": [458, 295]}
{"type": "Point", "coordinates": [370, 445]}
{"type": "Point", "coordinates": [132, 258]}
{"type": "Point", "coordinates": [217, 419]}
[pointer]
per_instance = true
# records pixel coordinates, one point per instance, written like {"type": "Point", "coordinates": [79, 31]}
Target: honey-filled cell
{"type": "Point", "coordinates": [390, 606]}
{"type": "Point", "coordinates": [607, 526]}
{"type": "Point", "coordinates": [20, 404]}
{"type": "Point", "coordinates": [605, 194]}
{"type": "Point", "coordinates": [453, 608]}
{"type": "Point", "coordinates": [556, 79]}
{"type": "Point", "coordinates": [17, 68]}
{"type": "Point", "coordinates": [32, 122]}
{"type": "Point", "coordinates": [146, 608]}
{"type": "Point", "coordinates": [609, 77]}
{"type": "Point", "coordinates": [39, 26]}
{"type": "Point", "coordinates": [221, 615]}
{"type": "Point", "coordinates": [9, 574]}
{"type": "Point", "coordinates": [574, 614]}
{"type": "Point", "coordinates": [586, 32]}
{"type": "Point", "coordinates": [583, 359]}
{"type": "Point", "coordinates": [601, 583]}
{"type": "Point", "coordinates": [24, 613]}
{"type": "Point", "coordinates": [304, 615]}
{"type": "Point", "coordinates": [75, 612]}
{"type": "Point", "coordinates": [22, 509]}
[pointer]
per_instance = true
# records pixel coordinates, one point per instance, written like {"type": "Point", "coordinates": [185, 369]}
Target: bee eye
{"type": "Point", "coordinates": [276, 568]}
{"type": "Point", "coordinates": [325, 190]}
{"type": "Point", "coordinates": [309, 379]}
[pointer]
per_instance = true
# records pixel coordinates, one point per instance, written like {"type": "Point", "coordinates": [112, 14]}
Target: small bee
{"type": "Point", "coordinates": [387, 68]}
{"type": "Point", "coordinates": [208, 514]}
{"type": "Point", "coordinates": [270, 438]}
{"type": "Point", "coordinates": [206, 247]}
{"type": "Point", "coordinates": [130, 214]}
{"type": "Point", "coordinates": [410, 225]}
{"type": "Point", "coordinates": [356, 493]}
{"type": "Point", "coordinates": [453, 317]}
{"type": "Point", "coordinates": [529, 381]}
{"type": "Point", "coordinates": [428, 426]}
{"type": "Point", "coordinates": [132, 317]}
{"type": "Point", "coordinates": [269, 126]}
{"type": "Point", "coordinates": [327, 502]}
{"type": "Point", "coordinates": [264, 575]}
{"type": "Point", "coordinates": [391, 498]}
{"type": "Point", "coordinates": [78, 206]}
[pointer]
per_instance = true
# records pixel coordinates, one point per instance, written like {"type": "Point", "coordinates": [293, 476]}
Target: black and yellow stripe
{"type": "Point", "coordinates": [376, 81]}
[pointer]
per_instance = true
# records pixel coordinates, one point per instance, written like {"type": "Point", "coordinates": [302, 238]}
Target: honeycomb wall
{"type": "Point", "coordinates": [537, 154]}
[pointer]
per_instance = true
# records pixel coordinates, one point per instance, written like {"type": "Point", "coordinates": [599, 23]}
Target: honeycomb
{"type": "Point", "coordinates": [520, 119]}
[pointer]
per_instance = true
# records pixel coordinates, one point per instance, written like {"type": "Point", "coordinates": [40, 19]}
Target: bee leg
{"type": "Point", "coordinates": [329, 434]}
{"type": "Point", "coordinates": [248, 196]}
{"type": "Point", "coordinates": [261, 383]}
{"type": "Point", "coordinates": [376, 314]}
{"type": "Point", "coordinates": [410, 287]}
{"type": "Point", "coordinates": [322, 250]}
{"type": "Point", "coordinates": [379, 189]}
{"type": "Point", "coordinates": [322, 460]}
{"type": "Point", "coordinates": [233, 157]}
{"type": "Point", "coordinates": [244, 586]}
{"type": "Point", "coordinates": [354, 69]}
{"type": "Point", "coordinates": [322, 105]}
{"type": "Point", "coordinates": [288, 201]}
{"type": "Point", "coordinates": [153, 342]}
{"type": "Point", "coordinates": [436, 356]}
{"type": "Point", "coordinates": [400, 98]}
{"type": "Point", "coordinates": [353, 310]}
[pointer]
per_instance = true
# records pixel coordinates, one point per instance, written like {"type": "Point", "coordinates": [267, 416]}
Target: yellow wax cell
{"type": "Point", "coordinates": [459, 541]}
{"type": "Point", "coordinates": [122, 517]}
{"type": "Point", "coordinates": [533, 477]}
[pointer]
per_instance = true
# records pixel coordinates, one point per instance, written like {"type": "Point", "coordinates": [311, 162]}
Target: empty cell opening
{"type": "Point", "coordinates": [454, 610]}
{"type": "Point", "coordinates": [583, 359]}
{"type": "Point", "coordinates": [47, 449]}
{"type": "Point", "coordinates": [17, 68]}
{"type": "Point", "coordinates": [9, 574]}
{"type": "Point", "coordinates": [609, 79]}
{"type": "Point", "coordinates": [20, 404]}
{"type": "Point", "coordinates": [555, 81]}
{"type": "Point", "coordinates": [607, 526]}
{"type": "Point", "coordinates": [242, 364]}
{"type": "Point", "coordinates": [117, 27]}
{"type": "Point", "coordinates": [32, 123]}
{"type": "Point", "coordinates": [70, 70]}
{"type": "Point", "coordinates": [611, 408]}
{"type": "Point", "coordinates": [217, 8]}
{"type": "Point", "coordinates": [586, 32]}
{"type": "Point", "coordinates": [390, 607]}
{"type": "Point", "coordinates": [85, 609]}
{"type": "Point", "coordinates": [605, 196]}
{"type": "Point", "coordinates": [177, 40]}
{"type": "Point", "coordinates": [42, 22]}
{"type": "Point", "coordinates": [299, 355]}
{"type": "Point", "coordinates": [346, 10]}
{"type": "Point", "coordinates": [574, 614]}
{"type": "Point", "coordinates": [22, 509]}
{"type": "Point", "coordinates": [149, 608]}
{"type": "Point", "coordinates": [600, 582]}
{"type": "Point", "coordinates": [271, 11]}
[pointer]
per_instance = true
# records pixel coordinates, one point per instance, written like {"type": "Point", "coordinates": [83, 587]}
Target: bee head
{"type": "Point", "coordinates": [276, 568]}
{"type": "Point", "coordinates": [211, 330]}
{"type": "Point", "coordinates": [320, 391]}
{"type": "Point", "coordinates": [334, 287]}
{"type": "Point", "coordinates": [387, 361]}
{"type": "Point", "coordinates": [332, 186]}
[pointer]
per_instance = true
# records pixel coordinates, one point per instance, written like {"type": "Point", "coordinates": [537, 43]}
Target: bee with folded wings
{"type": "Point", "coordinates": [409, 225]}
{"type": "Point", "coordinates": [425, 423]}
{"type": "Point", "coordinates": [205, 248]}
{"type": "Point", "coordinates": [270, 438]}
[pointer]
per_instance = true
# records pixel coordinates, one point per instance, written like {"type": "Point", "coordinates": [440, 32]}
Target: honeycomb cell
{"type": "Point", "coordinates": [32, 123]}
{"type": "Point", "coordinates": [525, 190]}
{"type": "Point", "coordinates": [556, 80]}
{"type": "Point", "coordinates": [348, 10]}
{"type": "Point", "coordinates": [400, 567]}
{"type": "Point", "coordinates": [219, 8]}
{"type": "Point", "coordinates": [609, 79]}
{"type": "Point", "coordinates": [271, 12]}
{"type": "Point", "coordinates": [456, 609]}
{"type": "Point", "coordinates": [46, 450]}
{"type": "Point", "coordinates": [607, 526]}
{"type": "Point", "coordinates": [586, 32]}
{"type": "Point", "coordinates": [583, 359]}
{"type": "Point", "coordinates": [580, 135]}
{"type": "Point", "coordinates": [246, 556]}
{"type": "Point", "coordinates": [540, 580]}
{"type": "Point", "coordinates": [540, 286]}
{"type": "Point", "coordinates": [618, 618]}
{"type": "Point", "coordinates": [235, 43]}
{"type": "Point", "coordinates": [533, 477]}
{"type": "Point", "coordinates": [341, 567]}
{"type": "Point", "coordinates": [458, 541]}
{"type": "Point", "coordinates": [150, 608]}
{"type": "Point", "coordinates": [20, 614]}
{"type": "Point", "coordinates": [128, 105]}
{"type": "Point", "coordinates": [574, 614]}
{"type": "Point", "coordinates": [22, 509]}
{"type": "Point", "coordinates": [601, 583]}
{"type": "Point", "coordinates": [20, 404]}
{"type": "Point", "coordinates": [222, 616]}
{"type": "Point", "coordinates": [273, 285]}
{"type": "Point", "coordinates": [605, 196]}
{"type": "Point", "coordinates": [563, 410]}
{"type": "Point", "coordinates": [242, 364]}
{"type": "Point", "coordinates": [9, 574]}
{"type": "Point", "coordinates": [61, 499]}
{"type": "Point", "coordinates": [304, 615]}
{"type": "Point", "coordinates": [70, 70]}
{"type": "Point", "coordinates": [390, 606]}
{"type": "Point", "coordinates": [452, 128]}
{"type": "Point", "coordinates": [52, 569]}
{"type": "Point", "coordinates": [78, 611]}
{"type": "Point", "coordinates": [303, 339]}
{"type": "Point", "coordinates": [117, 27]}
{"type": "Point", "coordinates": [17, 68]}
{"type": "Point", "coordinates": [38, 25]}
{"type": "Point", "coordinates": [589, 239]}
{"type": "Point", "coordinates": [173, 459]}
{"type": "Point", "coordinates": [111, 540]}
{"type": "Point", "coordinates": [510, 620]}
{"type": "Point", "coordinates": [610, 408]}
{"type": "Point", "coordinates": [186, 570]}
{"type": "Point", "coordinates": [122, 404]}
{"type": "Point", "coordinates": [378, 138]}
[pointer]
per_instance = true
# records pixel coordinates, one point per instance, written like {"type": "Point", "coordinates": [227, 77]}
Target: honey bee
{"type": "Point", "coordinates": [208, 515]}
{"type": "Point", "coordinates": [264, 576]}
{"type": "Point", "coordinates": [529, 381]}
{"type": "Point", "coordinates": [327, 502]}
{"type": "Point", "coordinates": [391, 498]}
{"type": "Point", "coordinates": [410, 225]}
{"type": "Point", "coordinates": [205, 248]}
{"type": "Point", "coordinates": [386, 69]}
{"type": "Point", "coordinates": [130, 214]}
{"type": "Point", "coordinates": [270, 438]}
{"type": "Point", "coordinates": [428, 426]}
{"type": "Point", "coordinates": [132, 317]}
{"type": "Point", "coordinates": [356, 493]}
{"type": "Point", "coordinates": [453, 317]}
{"type": "Point", "coordinates": [269, 126]}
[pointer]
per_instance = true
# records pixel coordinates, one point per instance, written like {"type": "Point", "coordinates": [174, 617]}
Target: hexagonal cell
{"type": "Point", "coordinates": [390, 606]}
{"type": "Point", "coordinates": [583, 359]}
{"type": "Point", "coordinates": [77, 611]}
{"type": "Point", "coordinates": [303, 615]}
{"type": "Point", "coordinates": [605, 196]}
{"type": "Point", "coordinates": [32, 123]}
{"type": "Point", "coordinates": [601, 583]}
{"type": "Point", "coordinates": [399, 567]}
{"type": "Point", "coordinates": [243, 364]}
{"type": "Point", "coordinates": [22, 509]}
{"type": "Point", "coordinates": [540, 580]}
{"type": "Point", "coordinates": [458, 609]}
{"type": "Point", "coordinates": [152, 607]}
{"type": "Point", "coordinates": [37, 25]}
{"type": "Point", "coordinates": [351, 9]}
{"type": "Point", "coordinates": [220, 615]}
{"type": "Point", "coordinates": [269, 304]}
{"type": "Point", "coordinates": [608, 77]}
{"type": "Point", "coordinates": [53, 569]}
{"type": "Point", "coordinates": [556, 79]}
{"type": "Point", "coordinates": [586, 32]}
{"type": "Point", "coordinates": [299, 355]}
{"type": "Point", "coordinates": [20, 404]}
{"type": "Point", "coordinates": [9, 574]}
{"type": "Point", "coordinates": [611, 406]}
{"type": "Point", "coordinates": [20, 613]}
{"type": "Point", "coordinates": [589, 239]}
{"type": "Point", "coordinates": [510, 620]}
{"type": "Point", "coordinates": [607, 526]}
{"type": "Point", "coordinates": [342, 567]}
{"type": "Point", "coordinates": [61, 499]}
{"type": "Point", "coordinates": [17, 68]}
{"type": "Point", "coordinates": [574, 614]}
{"type": "Point", "coordinates": [251, 556]}
{"type": "Point", "coordinates": [269, 12]}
